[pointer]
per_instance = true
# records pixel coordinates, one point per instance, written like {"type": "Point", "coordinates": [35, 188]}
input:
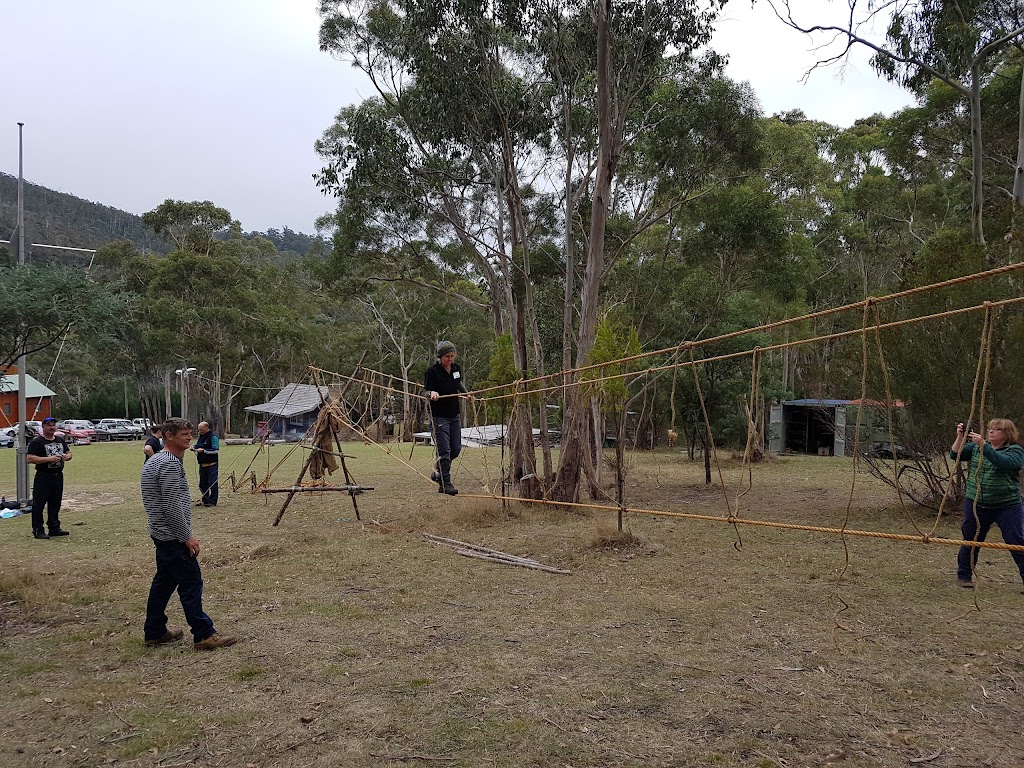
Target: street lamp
{"type": "Point", "coordinates": [183, 374]}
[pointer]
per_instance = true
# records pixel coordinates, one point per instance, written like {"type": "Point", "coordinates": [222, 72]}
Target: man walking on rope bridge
{"type": "Point", "coordinates": [168, 504]}
{"type": "Point", "coordinates": [993, 492]}
{"type": "Point", "coordinates": [443, 383]}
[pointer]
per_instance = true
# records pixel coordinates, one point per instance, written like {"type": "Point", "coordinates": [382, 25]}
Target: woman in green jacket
{"type": "Point", "coordinates": [993, 492]}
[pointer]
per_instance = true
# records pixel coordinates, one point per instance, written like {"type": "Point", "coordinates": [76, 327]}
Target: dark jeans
{"type": "Point", "coordinates": [448, 439]}
{"type": "Point", "coordinates": [1009, 518]}
{"type": "Point", "coordinates": [208, 484]}
{"type": "Point", "coordinates": [47, 490]}
{"type": "Point", "coordinates": [176, 569]}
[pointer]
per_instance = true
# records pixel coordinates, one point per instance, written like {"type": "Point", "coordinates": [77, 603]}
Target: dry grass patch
{"type": "Point", "coordinates": [608, 536]}
{"type": "Point", "coordinates": [364, 645]}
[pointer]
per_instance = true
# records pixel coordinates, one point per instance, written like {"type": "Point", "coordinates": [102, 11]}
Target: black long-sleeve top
{"type": "Point", "coordinates": [437, 379]}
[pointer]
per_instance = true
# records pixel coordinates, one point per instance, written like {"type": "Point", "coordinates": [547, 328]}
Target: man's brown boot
{"type": "Point", "coordinates": [169, 637]}
{"type": "Point", "coordinates": [215, 641]}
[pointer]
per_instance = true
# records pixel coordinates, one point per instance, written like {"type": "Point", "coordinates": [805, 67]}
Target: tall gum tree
{"type": "Point", "coordinates": [638, 46]}
{"type": "Point", "coordinates": [951, 40]}
{"type": "Point", "coordinates": [455, 109]}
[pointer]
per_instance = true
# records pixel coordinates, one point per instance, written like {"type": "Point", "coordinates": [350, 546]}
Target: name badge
{"type": "Point", "coordinates": [456, 375]}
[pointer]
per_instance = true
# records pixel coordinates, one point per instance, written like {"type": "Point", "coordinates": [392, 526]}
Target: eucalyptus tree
{"type": "Point", "coordinates": [951, 40]}
{"type": "Point", "coordinates": [486, 113]}
{"type": "Point", "coordinates": [659, 143]}
{"type": "Point", "coordinates": [190, 226]}
{"type": "Point", "coordinates": [436, 169]}
{"type": "Point", "coordinates": [43, 302]}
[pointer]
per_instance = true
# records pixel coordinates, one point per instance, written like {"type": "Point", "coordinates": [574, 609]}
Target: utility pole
{"type": "Point", "coordinates": [17, 242]}
{"type": "Point", "coordinates": [21, 471]}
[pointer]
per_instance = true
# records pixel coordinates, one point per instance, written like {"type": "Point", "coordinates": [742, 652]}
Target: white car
{"type": "Point", "coordinates": [135, 430]}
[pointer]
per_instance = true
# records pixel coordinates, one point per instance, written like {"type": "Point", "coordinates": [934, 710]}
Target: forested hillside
{"type": "Point", "coordinates": [59, 218]}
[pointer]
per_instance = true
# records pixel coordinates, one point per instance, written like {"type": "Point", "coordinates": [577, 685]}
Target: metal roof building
{"type": "Point", "coordinates": [293, 400]}
{"type": "Point", "coordinates": [37, 397]}
{"type": "Point", "coordinates": [291, 411]}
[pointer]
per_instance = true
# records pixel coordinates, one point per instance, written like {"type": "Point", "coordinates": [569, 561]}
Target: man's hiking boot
{"type": "Point", "coordinates": [965, 583]}
{"type": "Point", "coordinates": [40, 535]}
{"type": "Point", "coordinates": [169, 637]}
{"type": "Point", "coordinates": [449, 489]}
{"type": "Point", "coordinates": [59, 532]}
{"type": "Point", "coordinates": [215, 641]}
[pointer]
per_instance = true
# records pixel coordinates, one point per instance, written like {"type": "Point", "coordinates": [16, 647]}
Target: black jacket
{"type": "Point", "coordinates": [437, 379]}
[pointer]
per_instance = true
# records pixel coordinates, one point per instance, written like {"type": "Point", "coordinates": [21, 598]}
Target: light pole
{"type": "Point", "coordinates": [183, 374]}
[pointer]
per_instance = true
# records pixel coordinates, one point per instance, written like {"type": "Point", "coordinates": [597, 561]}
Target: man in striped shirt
{"type": "Point", "coordinates": [168, 503]}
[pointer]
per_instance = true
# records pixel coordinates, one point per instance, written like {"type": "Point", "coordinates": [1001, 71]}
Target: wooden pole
{"type": "Point", "coordinates": [319, 489]}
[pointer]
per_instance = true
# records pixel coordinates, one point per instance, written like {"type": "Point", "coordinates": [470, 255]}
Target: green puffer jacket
{"type": "Point", "coordinates": [1000, 473]}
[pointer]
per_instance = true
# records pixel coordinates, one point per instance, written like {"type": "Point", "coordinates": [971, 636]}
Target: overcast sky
{"type": "Point", "coordinates": [130, 102]}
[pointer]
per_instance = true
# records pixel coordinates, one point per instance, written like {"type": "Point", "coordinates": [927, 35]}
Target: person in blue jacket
{"type": "Point", "coordinates": [993, 491]}
{"type": "Point", "coordinates": [207, 449]}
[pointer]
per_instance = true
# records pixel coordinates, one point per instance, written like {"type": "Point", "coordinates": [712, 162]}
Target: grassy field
{"type": "Point", "coordinates": [365, 645]}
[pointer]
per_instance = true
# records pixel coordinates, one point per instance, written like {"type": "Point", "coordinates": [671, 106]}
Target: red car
{"type": "Point", "coordinates": [75, 436]}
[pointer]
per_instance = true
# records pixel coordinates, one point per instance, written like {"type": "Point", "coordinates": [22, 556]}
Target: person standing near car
{"type": "Point", "coordinates": [48, 453]}
{"type": "Point", "coordinates": [443, 384]}
{"type": "Point", "coordinates": [168, 504]}
{"type": "Point", "coordinates": [154, 443]}
{"type": "Point", "coordinates": [207, 450]}
{"type": "Point", "coordinates": [993, 492]}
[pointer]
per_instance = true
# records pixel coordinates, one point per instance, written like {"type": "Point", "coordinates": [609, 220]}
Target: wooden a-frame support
{"type": "Point", "coordinates": [350, 484]}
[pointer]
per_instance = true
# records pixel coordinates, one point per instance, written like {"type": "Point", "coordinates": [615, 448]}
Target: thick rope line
{"type": "Point", "coordinates": [985, 358]}
{"type": "Point", "coordinates": [858, 305]}
{"type": "Point", "coordinates": [891, 428]}
{"type": "Point", "coordinates": [710, 438]}
{"type": "Point", "coordinates": [764, 523]}
{"type": "Point", "coordinates": [726, 356]}
{"type": "Point", "coordinates": [845, 606]}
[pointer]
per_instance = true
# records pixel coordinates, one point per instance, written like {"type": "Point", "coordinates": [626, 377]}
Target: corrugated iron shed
{"type": "Point", "coordinates": [292, 400]}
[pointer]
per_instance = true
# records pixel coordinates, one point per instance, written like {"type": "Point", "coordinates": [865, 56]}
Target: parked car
{"type": "Point", "coordinates": [76, 436]}
{"type": "Point", "coordinates": [890, 451]}
{"type": "Point", "coordinates": [81, 425]}
{"type": "Point", "coordinates": [109, 432]}
{"type": "Point", "coordinates": [145, 424]}
{"type": "Point", "coordinates": [13, 431]}
{"type": "Point", "coordinates": [6, 440]}
{"type": "Point", "coordinates": [133, 429]}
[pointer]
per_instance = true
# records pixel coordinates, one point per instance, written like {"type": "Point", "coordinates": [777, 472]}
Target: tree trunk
{"type": "Point", "coordinates": [706, 450]}
{"type": "Point", "coordinates": [566, 487]}
{"type": "Point", "coordinates": [977, 178]}
{"type": "Point", "coordinates": [1018, 172]}
{"type": "Point", "coordinates": [167, 394]}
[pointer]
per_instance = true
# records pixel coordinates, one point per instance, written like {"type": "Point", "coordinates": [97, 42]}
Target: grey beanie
{"type": "Point", "coordinates": [444, 348]}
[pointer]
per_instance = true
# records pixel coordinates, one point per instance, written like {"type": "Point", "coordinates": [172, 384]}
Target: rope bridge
{"type": "Point", "coordinates": [377, 386]}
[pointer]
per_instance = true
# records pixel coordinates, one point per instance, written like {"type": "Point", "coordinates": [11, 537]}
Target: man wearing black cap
{"type": "Point", "coordinates": [49, 453]}
{"type": "Point", "coordinates": [443, 383]}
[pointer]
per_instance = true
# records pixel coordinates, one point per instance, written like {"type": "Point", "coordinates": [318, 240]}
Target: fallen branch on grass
{"type": "Point", "coordinates": [493, 555]}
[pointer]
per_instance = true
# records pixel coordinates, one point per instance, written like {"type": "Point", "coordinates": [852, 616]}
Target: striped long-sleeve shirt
{"type": "Point", "coordinates": [166, 498]}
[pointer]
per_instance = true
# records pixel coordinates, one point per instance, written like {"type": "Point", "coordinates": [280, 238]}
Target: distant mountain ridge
{"type": "Point", "coordinates": [59, 218]}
